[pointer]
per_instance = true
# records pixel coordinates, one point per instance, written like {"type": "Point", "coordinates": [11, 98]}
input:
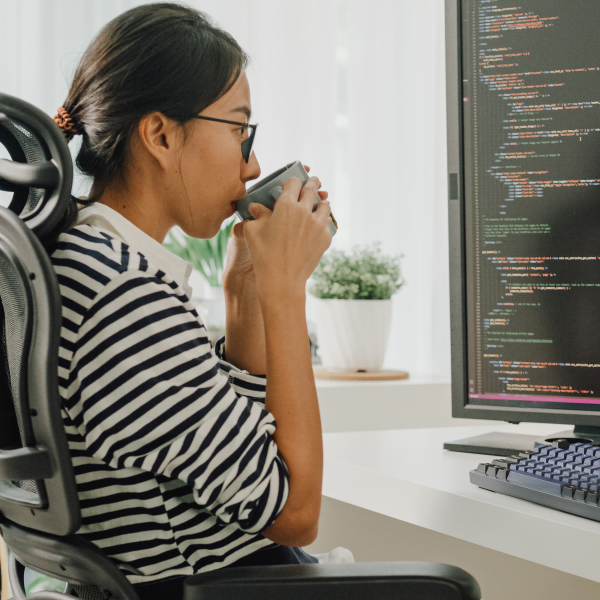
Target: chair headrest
{"type": "Point", "coordinates": [40, 172]}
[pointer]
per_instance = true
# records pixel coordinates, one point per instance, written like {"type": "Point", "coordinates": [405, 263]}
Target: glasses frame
{"type": "Point", "coordinates": [246, 144]}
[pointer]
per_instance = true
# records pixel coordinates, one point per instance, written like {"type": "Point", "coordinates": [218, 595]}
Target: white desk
{"type": "Point", "coordinates": [406, 477]}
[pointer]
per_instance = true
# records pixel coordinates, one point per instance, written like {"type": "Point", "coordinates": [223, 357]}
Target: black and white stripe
{"type": "Point", "coordinates": [176, 472]}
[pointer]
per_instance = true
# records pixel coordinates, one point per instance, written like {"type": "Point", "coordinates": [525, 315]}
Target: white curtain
{"type": "Point", "coordinates": [353, 88]}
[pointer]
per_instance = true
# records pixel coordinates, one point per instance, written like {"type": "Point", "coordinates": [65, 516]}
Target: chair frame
{"type": "Point", "coordinates": [56, 174]}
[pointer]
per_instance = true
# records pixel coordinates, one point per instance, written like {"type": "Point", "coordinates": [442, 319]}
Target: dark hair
{"type": "Point", "coordinates": [157, 57]}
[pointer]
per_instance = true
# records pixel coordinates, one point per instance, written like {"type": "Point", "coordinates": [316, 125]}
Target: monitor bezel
{"type": "Point", "coordinates": [461, 408]}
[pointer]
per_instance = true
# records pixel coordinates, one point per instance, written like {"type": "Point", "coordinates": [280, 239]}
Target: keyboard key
{"type": "Point", "coordinates": [579, 495]}
{"type": "Point", "coordinates": [535, 482]}
{"type": "Point", "coordinates": [567, 491]}
{"type": "Point", "coordinates": [502, 474]}
{"type": "Point", "coordinates": [491, 471]}
{"type": "Point", "coordinates": [527, 454]}
{"type": "Point", "coordinates": [591, 497]}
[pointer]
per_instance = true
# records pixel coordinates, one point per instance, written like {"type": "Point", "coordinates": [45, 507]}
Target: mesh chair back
{"type": "Point", "coordinates": [15, 324]}
{"type": "Point", "coordinates": [37, 486]}
{"type": "Point", "coordinates": [25, 149]}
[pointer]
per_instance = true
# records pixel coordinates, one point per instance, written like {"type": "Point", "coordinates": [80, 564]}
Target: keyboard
{"type": "Point", "coordinates": [563, 476]}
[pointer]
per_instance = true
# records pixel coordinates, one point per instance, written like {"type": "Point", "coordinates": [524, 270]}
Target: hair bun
{"type": "Point", "coordinates": [64, 120]}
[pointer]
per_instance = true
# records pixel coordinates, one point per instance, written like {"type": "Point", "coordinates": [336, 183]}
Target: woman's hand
{"type": "Point", "coordinates": [238, 264]}
{"type": "Point", "coordinates": [239, 270]}
{"type": "Point", "coordinates": [245, 335]}
{"type": "Point", "coordinates": [244, 328]}
{"type": "Point", "coordinates": [287, 243]}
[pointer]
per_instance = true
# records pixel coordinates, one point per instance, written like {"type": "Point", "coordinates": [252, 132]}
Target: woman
{"type": "Point", "coordinates": [180, 469]}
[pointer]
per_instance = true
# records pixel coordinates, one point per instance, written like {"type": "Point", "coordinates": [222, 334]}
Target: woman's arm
{"type": "Point", "coordinates": [300, 237]}
{"type": "Point", "coordinates": [292, 399]}
{"type": "Point", "coordinates": [245, 345]}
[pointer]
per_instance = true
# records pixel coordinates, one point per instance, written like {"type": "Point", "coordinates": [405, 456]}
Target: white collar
{"type": "Point", "coordinates": [116, 225]}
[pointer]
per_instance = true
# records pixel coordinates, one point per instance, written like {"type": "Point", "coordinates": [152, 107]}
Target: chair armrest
{"type": "Point", "coordinates": [381, 580]}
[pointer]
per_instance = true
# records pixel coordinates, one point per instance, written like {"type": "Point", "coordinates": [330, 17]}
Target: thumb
{"type": "Point", "coordinates": [258, 210]}
{"type": "Point", "coordinates": [238, 230]}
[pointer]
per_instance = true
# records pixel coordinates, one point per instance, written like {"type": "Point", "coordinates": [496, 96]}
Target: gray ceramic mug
{"type": "Point", "coordinates": [268, 190]}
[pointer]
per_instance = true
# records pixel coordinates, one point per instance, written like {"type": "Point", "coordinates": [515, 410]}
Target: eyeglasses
{"type": "Point", "coordinates": [247, 143]}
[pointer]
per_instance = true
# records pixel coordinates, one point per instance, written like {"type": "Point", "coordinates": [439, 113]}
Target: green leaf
{"type": "Point", "coordinates": [207, 256]}
{"type": "Point", "coordinates": [362, 273]}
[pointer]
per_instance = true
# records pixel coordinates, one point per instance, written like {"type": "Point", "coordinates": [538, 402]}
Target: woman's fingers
{"type": "Point", "coordinates": [238, 230]}
{"type": "Point", "coordinates": [308, 195]}
{"type": "Point", "coordinates": [257, 210]}
{"type": "Point", "coordinates": [290, 190]}
{"type": "Point", "coordinates": [323, 195]}
{"type": "Point", "coordinates": [323, 210]}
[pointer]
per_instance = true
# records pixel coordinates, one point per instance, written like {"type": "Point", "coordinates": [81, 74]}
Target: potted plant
{"type": "Point", "coordinates": [354, 307]}
{"type": "Point", "coordinates": [208, 258]}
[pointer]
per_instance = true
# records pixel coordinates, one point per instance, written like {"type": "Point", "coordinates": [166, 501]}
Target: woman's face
{"type": "Point", "coordinates": [213, 170]}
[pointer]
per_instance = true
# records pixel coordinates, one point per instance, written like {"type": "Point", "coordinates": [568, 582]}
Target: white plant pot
{"type": "Point", "coordinates": [353, 334]}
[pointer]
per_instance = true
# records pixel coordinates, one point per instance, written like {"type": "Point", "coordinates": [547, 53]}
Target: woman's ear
{"type": "Point", "coordinates": [160, 137]}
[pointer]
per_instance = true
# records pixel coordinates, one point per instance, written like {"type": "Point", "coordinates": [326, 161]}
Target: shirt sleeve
{"type": "Point", "coordinates": [146, 391]}
{"type": "Point", "coordinates": [251, 386]}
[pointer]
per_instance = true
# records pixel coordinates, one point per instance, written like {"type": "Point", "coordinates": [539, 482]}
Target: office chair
{"type": "Point", "coordinates": [39, 507]}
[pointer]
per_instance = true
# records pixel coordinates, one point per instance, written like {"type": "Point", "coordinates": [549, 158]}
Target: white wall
{"type": "Point", "coordinates": [354, 88]}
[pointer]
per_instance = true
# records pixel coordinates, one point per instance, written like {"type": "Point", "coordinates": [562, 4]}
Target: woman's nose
{"type": "Point", "coordinates": [250, 169]}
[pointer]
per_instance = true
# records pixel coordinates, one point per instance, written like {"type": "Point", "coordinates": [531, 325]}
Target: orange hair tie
{"type": "Point", "coordinates": [65, 122]}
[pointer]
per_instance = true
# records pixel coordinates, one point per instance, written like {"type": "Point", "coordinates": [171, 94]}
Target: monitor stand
{"type": "Point", "coordinates": [505, 444]}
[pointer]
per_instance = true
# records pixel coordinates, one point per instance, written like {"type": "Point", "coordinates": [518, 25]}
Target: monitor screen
{"type": "Point", "coordinates": [530, 134]}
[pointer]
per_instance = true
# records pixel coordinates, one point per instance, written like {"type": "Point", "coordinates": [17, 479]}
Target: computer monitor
{"type": "Point", "coordinates": [523, 97]}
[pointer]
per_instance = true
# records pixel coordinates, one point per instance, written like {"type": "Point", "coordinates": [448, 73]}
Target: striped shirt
{"type": "Point", "coordinates": [177, 471]}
